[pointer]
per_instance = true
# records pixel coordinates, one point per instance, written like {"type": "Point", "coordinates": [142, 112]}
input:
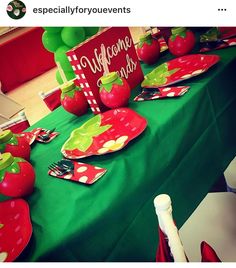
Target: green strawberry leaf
{"type": "Point", "coordinates": [108, 87]}
{"type": "Point", "coordinates": [182, 34]}
{"type": "Point", "coordinates": [158, 76]}
{"type": "Point", "coordinates": [88, 127]}
{"type": "Point", "coordinates": [13, 141]}
{"type": "Point", "coordinates": [99, 131]}
{"type": "Point", "coordinates": [82, 137]}
{"type": "Point", "coordinates": [70, 93]}
{"type": "Point", "coordinates": [78, 142]}
{"type": "Point", "coordinates": [141, 43]}
{"type": "Point", "coordinates": [2, 147]}
{"type": "Point", "coordinates": [13, 168]}
{"type": "Point", "coordinates": [1, 225]}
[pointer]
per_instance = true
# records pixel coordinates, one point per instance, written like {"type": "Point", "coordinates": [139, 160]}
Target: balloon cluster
{"type": "Point", "coordinates": [61, 39]}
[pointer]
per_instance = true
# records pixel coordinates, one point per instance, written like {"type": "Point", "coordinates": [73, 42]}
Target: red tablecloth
{"type": "Point", "coordinates": [23, 58]}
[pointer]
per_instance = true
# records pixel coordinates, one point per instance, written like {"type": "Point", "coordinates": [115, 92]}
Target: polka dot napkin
{"type": "Point", "coordinates": [83, 173]}
{"type": "Point", "coordinates": [160, 93]}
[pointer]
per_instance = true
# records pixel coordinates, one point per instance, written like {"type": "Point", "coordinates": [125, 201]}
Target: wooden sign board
{"type": "Point", "coordinates": [86, 61]}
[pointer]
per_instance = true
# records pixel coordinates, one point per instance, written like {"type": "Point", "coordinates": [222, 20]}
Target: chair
{"type": "Point", "coordinates": [17, 124]}
{"type": "Point", "coordinates": [51, 98]}
{"type": "Point", "coordinates": [214, 221]}
{"type": "Point", "coordinates": [163, 209]}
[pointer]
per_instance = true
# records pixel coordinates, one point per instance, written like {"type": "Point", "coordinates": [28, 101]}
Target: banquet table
{"type": "Point", "coordinates": [188, 143]}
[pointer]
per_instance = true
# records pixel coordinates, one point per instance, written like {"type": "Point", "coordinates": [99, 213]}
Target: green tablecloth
{"type": "Point", "coordinates": [187, 145]}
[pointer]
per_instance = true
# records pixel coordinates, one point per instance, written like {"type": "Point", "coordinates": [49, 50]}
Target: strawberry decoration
{"type": "Point", "coordinates": [181, 41]}
{"type": "Point", "coordinates": [16, 176]}
{"type": "Point", "coordinates": [108, 132]}
{"type": "Point", "coordinates": [14, 144]}
{"type": "Point", "coordinates": [114, 91]}
{"type": "Point", "coordinates": [73, 99]}
{"type": "Point", "coordinates": [15, 228]}
{"type": "Point", "coordinates": [148, 49]}
{"type": "Point", "coordinates": [179, 69]}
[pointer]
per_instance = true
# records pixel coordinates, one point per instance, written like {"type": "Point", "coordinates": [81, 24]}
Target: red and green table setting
{"type": "Point", "coordinates": [187, 144]}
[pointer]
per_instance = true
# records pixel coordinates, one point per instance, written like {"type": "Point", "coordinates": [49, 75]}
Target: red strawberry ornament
{"type": "Point", "coordinates": [15, 228]}
{"type": "Point", "coordinates": [114, 91]}
{"type": "Point", "coordinates": [181, 41]}
{"type": "Point", "coordinates": [17, 176]}
{"type": "Point", "coordinates": [15, 144]}
{"type": "Point", "coordinates": [73, 99]}
{"type": "Point", "coordinates": [148, 49]}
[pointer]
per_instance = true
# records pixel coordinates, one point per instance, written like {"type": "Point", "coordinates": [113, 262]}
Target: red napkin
{"type": "Point", "coordinates": [162, 92]}
{"type": "Point", "coordinates": [33, 135]}
{"type": "Point", "coordinates": [227, 43]}
{"type": "Point", "coordinates": [30, 136]}
{"type": "Point", "coordinates": [83, 173]}
{"type": "Point", "coordinates": [43, 131]}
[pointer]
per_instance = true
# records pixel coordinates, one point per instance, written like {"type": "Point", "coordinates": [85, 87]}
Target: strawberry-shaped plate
{"type": "Point", "coordinates": [179, 69]}
{"type": "Point", "coordinates": [104, 133]}
{"type": "Point", "coordinates": [15, 228]}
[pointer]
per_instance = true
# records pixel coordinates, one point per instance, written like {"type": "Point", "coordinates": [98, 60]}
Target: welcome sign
{"type": "Point", "coordinates": [121, 57]}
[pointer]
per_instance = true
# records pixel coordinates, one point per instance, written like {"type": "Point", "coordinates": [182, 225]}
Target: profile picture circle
{"type": "Point", "coordinates": [16, 9]}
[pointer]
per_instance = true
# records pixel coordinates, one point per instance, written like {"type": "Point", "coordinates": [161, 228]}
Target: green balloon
{"type": "Point", "coordinates": [73, 36]}
{"type": "Point", "coordinates": [89, 31]}
{"type": "Point", "coordinates": [53, 29]}
{"type": "Point", "coordinates": [51, 41]}
{"type": "Point", "coordinates": [69, 76]}
{"type": "Point", "coordinates": [61, 57]}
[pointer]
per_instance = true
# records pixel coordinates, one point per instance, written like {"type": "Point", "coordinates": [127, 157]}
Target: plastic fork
{"type": "Point", "coordinates": [59, 170]}
{"type": "Point", "coordinates": [46, 137]}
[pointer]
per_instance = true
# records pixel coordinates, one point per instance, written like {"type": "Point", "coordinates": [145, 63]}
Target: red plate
{"type": "Point", "coordinates": [15, 228]}
{"type": "Point", "coordinates": [104, 133]}
{"type": "Point", "coordinates": [179, 69]}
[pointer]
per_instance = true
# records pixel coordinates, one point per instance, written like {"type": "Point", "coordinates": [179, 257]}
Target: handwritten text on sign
{"type": "Point", "coordinates": [95, 64]}
{"type": "Point", "coordinates": [120, 55]}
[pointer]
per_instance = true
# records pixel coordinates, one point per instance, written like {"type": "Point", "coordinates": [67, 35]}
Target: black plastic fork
{"type": "Point", "coordinates": [59, 170]}
{"type": "Point", "coordinates": [46, 136]}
